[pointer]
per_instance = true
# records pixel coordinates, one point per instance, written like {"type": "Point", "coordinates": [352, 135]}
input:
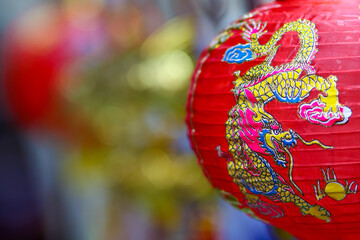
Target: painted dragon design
{"type": "Point", "coordinates": [252, 133]}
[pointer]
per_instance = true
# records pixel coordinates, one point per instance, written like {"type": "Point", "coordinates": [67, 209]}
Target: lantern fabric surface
{"type": "Point", "coordinates": [273, 116]}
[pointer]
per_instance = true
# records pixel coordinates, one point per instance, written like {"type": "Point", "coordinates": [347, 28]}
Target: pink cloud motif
{"type": "Point", "coordinates": [313, 112]}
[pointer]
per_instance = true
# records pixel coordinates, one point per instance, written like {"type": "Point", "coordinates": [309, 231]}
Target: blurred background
{"type": "Point", "coordinates": [92, 137]}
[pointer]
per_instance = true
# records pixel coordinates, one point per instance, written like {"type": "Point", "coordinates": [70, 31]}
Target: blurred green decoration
{"type": "Point", "coordinates": [134, 102]}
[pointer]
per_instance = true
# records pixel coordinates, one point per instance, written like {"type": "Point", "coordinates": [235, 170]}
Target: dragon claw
{"type": "Point", "coordinates": [253, 27]}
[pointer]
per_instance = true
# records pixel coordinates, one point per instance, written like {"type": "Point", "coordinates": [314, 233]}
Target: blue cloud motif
{"type": "Point", "coordinates": [239, 54]}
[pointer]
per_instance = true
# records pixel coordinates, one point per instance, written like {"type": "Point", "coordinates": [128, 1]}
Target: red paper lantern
{"type": "Point", "coordinates": [273, 116]}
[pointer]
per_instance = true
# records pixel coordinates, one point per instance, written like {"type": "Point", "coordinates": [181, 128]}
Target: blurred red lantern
{"type": "Point", "coordinates": [42, 47]}
{"type": "Point", "coordinates": [34, 56]}
{"type": "Point", "coordinates": [273, 116]}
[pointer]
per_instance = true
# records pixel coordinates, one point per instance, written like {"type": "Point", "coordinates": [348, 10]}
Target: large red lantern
{"type": "Point", "coordinates": [273, 116]}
